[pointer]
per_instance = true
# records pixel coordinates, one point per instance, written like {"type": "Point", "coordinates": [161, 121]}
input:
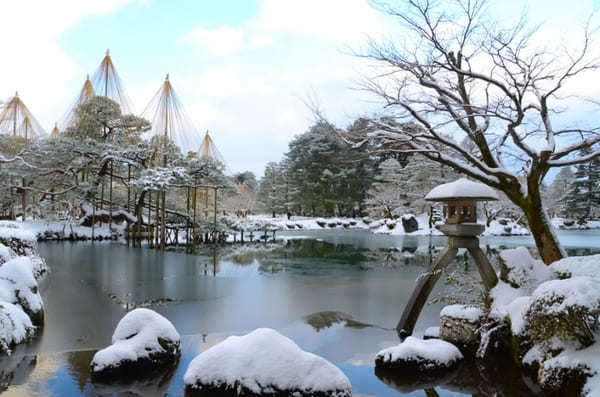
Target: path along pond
{"type": "Point", "coordinates": [337, 294]}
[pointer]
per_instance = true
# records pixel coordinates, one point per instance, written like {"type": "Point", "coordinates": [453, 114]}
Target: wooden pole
{"type": "Point", "coordinates": [215, 218]}
{"type": "Point", "coordinates": [156, 218]}
{"type": "Point", "coordinates": [128, 187]}
{"type": "Point", "coordinates": [163, 221]}
{"type": "Point", "coordinates": [110, 199]}
{"type": "Point", "coordinates": [149, 236]}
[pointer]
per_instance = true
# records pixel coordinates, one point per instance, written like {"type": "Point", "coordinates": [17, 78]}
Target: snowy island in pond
{"type": "Point", "coordinates": [263, 362]}
{"type": "Point", "coordinates": [143, 342]}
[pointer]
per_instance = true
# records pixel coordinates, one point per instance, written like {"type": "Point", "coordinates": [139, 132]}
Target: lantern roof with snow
{"type": "Point", "coordinates": [462, 189]}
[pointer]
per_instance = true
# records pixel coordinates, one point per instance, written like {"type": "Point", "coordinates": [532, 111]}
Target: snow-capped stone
{"type": "Point", "coordinates": [467, 313]}
{"type": "Point", "coordinates": [142, 341]}
{"type": "Point", "coordinates": [432, 333]}
{"type": "Point", "coordinates": [418, 356]}
{"type": "Point", "coordinates": [18, 286]}
{"type": "Point", "coordinates": [15, 326]}
{"type": "Point", "coordinates": [459, 325]}
{"type": "Point", "coordinates": [264, 362]}
{"type": "Point", "coordinates": [461, 189]}
{"type": "Point", "coordinates": [409, 223]}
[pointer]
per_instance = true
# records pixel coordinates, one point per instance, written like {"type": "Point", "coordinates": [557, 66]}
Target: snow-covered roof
{"type": "Point", "coordinates": [462, 189]}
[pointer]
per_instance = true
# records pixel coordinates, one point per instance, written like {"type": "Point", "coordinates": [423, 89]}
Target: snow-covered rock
{"type": "Point", "coordinates": [264, 362]}
{"type": "Point", "coordinates": [459, 325]}
{"type": "Point", "coordinates": [409, 223]}
{"type": "Point", "coordinates": [420, 357]}
{"type": "Point", "coordinates": [142, 342]}
{"type": "Point", "coordinates": [432, 333]}
{"type": "Point", "coordinates": [15, 326]}
{"type": "Point", "coordinates": [18, 286]}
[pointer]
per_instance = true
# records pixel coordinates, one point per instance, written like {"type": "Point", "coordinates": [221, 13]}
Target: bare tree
{"type": "Point", "coordinates": [454, 76]}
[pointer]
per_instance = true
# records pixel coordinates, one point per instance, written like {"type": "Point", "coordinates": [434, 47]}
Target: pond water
{"type": "Point", "coordinates": [337, 294]}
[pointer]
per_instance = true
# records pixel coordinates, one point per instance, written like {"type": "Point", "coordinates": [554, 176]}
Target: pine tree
{"type": "Point", "coordinates": [584, 193]}
{"type": "Point", "coordinates": [558, 192]}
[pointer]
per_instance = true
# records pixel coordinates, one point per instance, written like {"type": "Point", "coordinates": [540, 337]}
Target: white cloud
{"type": "Point", "coordinates": [33, 63]}
{"type": "Point", "coordinates": [220, 41]}
{"type": "Point", "coordinates": [344, 21]}
{"type": "Point", "coordinates": [251, 100]}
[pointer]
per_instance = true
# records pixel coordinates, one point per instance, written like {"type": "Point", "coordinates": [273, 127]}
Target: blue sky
{"type": "Point", "coordinates": [240, 67]}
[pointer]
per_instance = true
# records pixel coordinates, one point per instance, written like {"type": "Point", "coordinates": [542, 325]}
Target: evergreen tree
{"type": "Point", "coordinates": [558, 192]}
{"type": "Point", "coordinates": [584, 194]}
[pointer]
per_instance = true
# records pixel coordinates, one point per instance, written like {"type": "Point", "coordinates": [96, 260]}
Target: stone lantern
{"type": "Point", "coordinates": [460, 209]}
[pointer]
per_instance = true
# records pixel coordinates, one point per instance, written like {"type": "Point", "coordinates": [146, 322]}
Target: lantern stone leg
{"type": "Point", "coordinates": [420, 294]}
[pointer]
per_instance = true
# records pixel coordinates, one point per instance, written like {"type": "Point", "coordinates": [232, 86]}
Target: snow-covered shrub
{"type": "Point", "coordinates": [519, 269]}
{"type": "Point", "coordinates": [576, 266]}
{"type": "Point", "coordinates": [19, 240]}
{"type": "Point", "coordinates": [18, 286]}
{"type": "Point", "coordinates": [15, 326]}
{"type": "Point", "coordinates": [142, 342]}
{"type": "Point", "coordinates": [5, 253]}
{"type": "Point", "coordinates": [264, 363]}
{"type": "Point", "coordinates": [567, 309]}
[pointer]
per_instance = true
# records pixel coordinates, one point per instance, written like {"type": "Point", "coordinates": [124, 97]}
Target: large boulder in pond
{"type": "Point", "coordinates": [414, 358]}
{"type": "Point", "coordinates": [409, 223]}
{"type": "Point", "coordinates": [459, 325]}
{"type": "Point", "coordinates": [263, 363]}
{"type": "Point", "coordinates": [144, 342]}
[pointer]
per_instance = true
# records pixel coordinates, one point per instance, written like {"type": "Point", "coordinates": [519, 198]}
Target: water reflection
{"type": "Point", "coordinates": [15, 369]}
{"type": "Point", "coordinates": [337, 294]}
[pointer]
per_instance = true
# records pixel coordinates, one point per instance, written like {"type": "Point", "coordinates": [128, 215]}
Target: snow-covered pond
{"type": "Point", "coordinates": [337, 294]}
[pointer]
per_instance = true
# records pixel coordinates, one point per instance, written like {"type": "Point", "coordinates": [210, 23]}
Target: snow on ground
{"type": "Point", "coordinates": [572, 224]}
{"type": "Point", "coordinates": [14, 231]}
{"type": "Point", "coordinates": [5, 253]}
{"type": "Point", "coordinates": [504, 227]}
{"type": "Point", "coordinates": [60, 230]}
{"type": "Point", "coordinates": [434, 351]}
{"type": "Point", "coordinates": [138, 336]}
{"type": "Point", "coordinates": [264, 361]}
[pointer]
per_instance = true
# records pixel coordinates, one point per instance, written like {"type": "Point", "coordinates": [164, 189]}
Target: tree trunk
{"type": "Point", "coordinates": [542, 230]}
